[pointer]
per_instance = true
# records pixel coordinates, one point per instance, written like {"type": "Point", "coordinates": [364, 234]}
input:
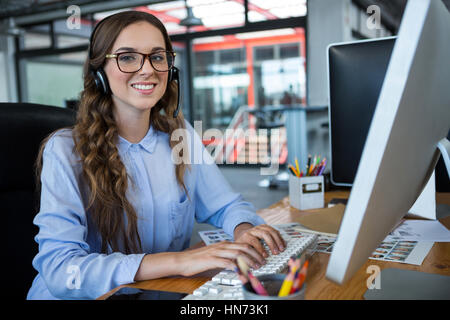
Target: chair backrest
{"type": "Point", "coordinates": [23, 126]}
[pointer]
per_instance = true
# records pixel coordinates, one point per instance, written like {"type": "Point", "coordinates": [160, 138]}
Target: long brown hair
{"type": "Point", "coordinates": [95, 135]}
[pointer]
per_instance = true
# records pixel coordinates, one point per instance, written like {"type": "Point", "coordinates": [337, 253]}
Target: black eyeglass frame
{"type": "Point", "coordinates": [145, 56]}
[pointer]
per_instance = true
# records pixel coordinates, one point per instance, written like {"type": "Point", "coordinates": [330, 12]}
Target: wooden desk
{"type": "Point", "coordinates": [318, 287]}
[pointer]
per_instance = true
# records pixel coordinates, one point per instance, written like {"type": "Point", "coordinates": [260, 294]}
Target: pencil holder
{"type": "Point", "coordinates": [272, 283]}
{"type": "Point", "coordinates": [306, 192]}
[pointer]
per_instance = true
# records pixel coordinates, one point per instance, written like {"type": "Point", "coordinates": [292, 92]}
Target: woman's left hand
{"type": "Point", "coordinates": [247, 233]}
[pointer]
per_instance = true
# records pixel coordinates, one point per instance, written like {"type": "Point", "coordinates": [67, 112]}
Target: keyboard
{"type": "Point", "coordinates": [226, 284]}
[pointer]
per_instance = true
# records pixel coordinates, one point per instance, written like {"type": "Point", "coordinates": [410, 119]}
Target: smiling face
{"type": "Point", "coordinates": [136, 92]}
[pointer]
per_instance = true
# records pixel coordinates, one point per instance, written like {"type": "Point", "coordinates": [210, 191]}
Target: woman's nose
{"type": "Point", "coordinates": [147, 66]}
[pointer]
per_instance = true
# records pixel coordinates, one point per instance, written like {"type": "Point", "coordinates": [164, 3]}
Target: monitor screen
{"type": "Point", "coordinates": [356, 74]}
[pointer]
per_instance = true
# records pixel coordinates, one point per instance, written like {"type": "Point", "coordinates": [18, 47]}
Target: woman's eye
{"type": "Point", "coordinates": [157, 57]}
{"type": "Point", "coordinates": [127, 57]}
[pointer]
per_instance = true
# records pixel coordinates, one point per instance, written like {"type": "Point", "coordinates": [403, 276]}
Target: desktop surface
{"type": "Point", "coordinates": [318, 287]}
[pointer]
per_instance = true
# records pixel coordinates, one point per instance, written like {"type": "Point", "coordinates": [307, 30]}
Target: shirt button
{"type": "Point", "coordinates": [134, 147]}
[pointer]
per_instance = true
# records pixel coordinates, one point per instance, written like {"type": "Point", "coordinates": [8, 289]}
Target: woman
{"type": "Point", "coordinates": [114, 206]}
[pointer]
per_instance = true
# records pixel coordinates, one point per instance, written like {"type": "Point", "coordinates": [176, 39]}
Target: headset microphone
{"type": "Point", "coordinates": [174, 75]}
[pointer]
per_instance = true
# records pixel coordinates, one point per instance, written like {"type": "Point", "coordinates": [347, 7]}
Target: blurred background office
{"type": "Point", "coordinates": [243, 64]}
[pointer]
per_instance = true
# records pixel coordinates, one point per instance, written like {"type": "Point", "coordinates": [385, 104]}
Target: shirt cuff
{"type": "Point", "coordinates": [128, 268]}
{"type": "Point", "coordinates": [232, 222]}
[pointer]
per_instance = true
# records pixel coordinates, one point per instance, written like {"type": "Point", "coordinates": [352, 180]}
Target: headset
{"type": "Point", "coordinates": [101, 81]}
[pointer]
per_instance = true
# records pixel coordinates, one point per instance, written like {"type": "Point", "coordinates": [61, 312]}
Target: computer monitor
{"type": "Point", "coordinates": [356, 71]}
{"type": "Point", "coordinates": [410, 122]}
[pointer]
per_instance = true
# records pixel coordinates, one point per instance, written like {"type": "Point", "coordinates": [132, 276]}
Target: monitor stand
{"type": "Point", "coordinates": [400, 284]}
{"type": "Point", "coordinates": [444, 147]}
{"type": "Point", "coordinates": [397, 284]}
{"type": "Point", "coordinates": [425, 205]}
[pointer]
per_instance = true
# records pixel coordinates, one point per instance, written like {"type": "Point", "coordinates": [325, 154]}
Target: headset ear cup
{"type": "Point", "coordinates": [101, 81]}
{"type": "Point", "coordinates": [170, 77]}
{"type": "Point", "coordinates": [173, 75]}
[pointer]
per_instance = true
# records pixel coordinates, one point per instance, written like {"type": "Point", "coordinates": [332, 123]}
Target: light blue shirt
{"type": "Point", "coordinates": [69, 262]}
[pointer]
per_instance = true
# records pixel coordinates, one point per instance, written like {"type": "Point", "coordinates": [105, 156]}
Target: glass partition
{"type": "Point", "coordinates": [247, 70]}
{"type": "Point", "coordinates": [53, 80]}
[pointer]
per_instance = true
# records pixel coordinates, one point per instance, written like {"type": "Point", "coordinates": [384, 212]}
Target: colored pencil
{"type": "Point", "coordinates": [289, 279]}
{"type": "Point", "coordinates": [296, 165]}
{"type": "Point", "coordinates": [290, 166]}
{"type": "Point", "coordinates": [308, 165]}
{"type": "Point", "coordinates": [295, 282]}
{"type": "Point", "coordinates": [241, 277]}
{"type": "Point", "coordinates": [323, 166]}
{"type": "Point", "coordinates": [291, 169]}
{"type": "Point", "coordinates": [318, 168]}
{"type": "Point", "coordinates": [298, 283]}
{"type": "Point", "coordinates": [255, 284]}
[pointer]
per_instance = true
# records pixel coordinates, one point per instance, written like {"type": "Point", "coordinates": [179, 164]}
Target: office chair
{"type": "Point", "coordinates": [22, 128]}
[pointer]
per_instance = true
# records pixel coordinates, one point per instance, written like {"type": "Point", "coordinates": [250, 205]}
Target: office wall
{"type": "Point", "coordinates": [331, 21]}
{"type": "Point", "coordinates": [328, 22]}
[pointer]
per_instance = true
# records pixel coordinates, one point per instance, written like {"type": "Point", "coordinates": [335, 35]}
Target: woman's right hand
{"type": "Point", "coordinates": [218, 255]}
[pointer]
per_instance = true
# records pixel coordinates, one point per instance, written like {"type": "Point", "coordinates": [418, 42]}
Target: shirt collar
{"type": "Point", "coordinates": [148, 143]}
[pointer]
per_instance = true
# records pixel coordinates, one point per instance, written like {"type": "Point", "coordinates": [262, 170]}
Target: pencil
{"type": "Point", "coordinates": [241, 277]}
{"type": "Point", "coordinates": [295, 283]}
{"type": "Point", "coordinates": [290, 166]}
{"type": "Point", "coordinates": [311, 169]}
{"type": "Point", "coordinates": [298, 283]}
{"type": "Point", "coordinates": [289, 279]}
{"type": "Point", "coordinates": [308, 165]}
{"type": "Point", "coordinates": [292, 170]}
{"type": "Point", "coordinates": [323, 166]}
{"type": "Point", "coordinates": [255, 284]}
{"type": "Point", "coordinates": [317, 169]}
{"type": "Point", "coordinates": [296, 165]}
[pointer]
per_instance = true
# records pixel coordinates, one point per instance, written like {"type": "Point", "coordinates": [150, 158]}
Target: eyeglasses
{"type": "Point", "coordinates": [130, 62]}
